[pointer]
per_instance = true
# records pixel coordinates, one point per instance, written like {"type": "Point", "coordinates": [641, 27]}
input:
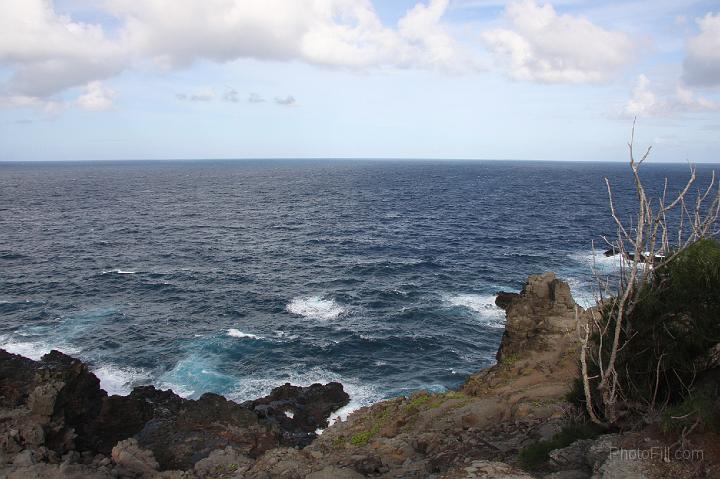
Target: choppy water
{"type": "Point", "coordinates": [235, 277]}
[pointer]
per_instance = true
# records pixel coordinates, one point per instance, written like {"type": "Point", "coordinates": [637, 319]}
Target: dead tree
{"type": "Point", "coordinates": [655, 235]}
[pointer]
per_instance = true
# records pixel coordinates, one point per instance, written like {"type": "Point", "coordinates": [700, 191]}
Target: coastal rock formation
{"type": "Point", "coordinates": [543, 312]}
{"type": "Point", "coordinates": [300, 411]}
{"type": "Point", "coordinates": [55, 421]}
{"type": "Point", "coordinates": [54, 415]}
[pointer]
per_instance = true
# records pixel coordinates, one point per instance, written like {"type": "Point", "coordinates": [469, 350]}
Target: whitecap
{"type": "Point", "coordinates": [361, 395]}
{"type": "Point", "coordinates": [195, 375]}
{"type": "Point", "coordinates": [33, 349]}
{"type": "Point", "coordinates": [120, 380]}
{"type": "Point", "coordinates": [315, 307]}
{"type": "Point", "coordinates": [286, 335]}
{"type": "Point", "coordinates": [598, 261]}
{"type": "Point", "coordinates": [483, 305]}
{"type": "Point", "coordinates": [119, 271]}
{"type": "Point", "coordinates": [236, 333]}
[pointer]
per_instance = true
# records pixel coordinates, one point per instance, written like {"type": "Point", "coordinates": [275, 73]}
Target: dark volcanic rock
{"type": "Point", "coordinates": [17, 375]}
{"type": "Point", "coordinates": [61, 394]}
{"type": "Point", "coordinates": [503, 300]}
{"type": "Point", "coordinates": [122, 417]}
{"type": "Point", "coordinates": [612, 252]}
{"type": "Point", "coordinates": [57, 404]}
{"type": "Point", "coordinates": [212, 422]}
{"type": "Point", "coordinates": [300, 411]}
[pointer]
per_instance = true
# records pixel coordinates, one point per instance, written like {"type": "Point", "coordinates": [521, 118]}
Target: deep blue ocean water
{"type": "Point", "coordinates": [237, 276]}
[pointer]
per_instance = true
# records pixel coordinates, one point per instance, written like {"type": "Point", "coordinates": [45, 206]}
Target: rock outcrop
{"type": "Point", "coordinates": [53, 415]}
{"type": "Point", "coordinates": [542, 313]}
{"type": "Point", "coordinates": [55, 421]}
{"type": "Point", "coordinates": [300, 411]}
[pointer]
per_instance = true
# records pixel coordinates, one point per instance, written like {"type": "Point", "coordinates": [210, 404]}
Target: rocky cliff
{"type": "Point", "coordinates": [56, 422]}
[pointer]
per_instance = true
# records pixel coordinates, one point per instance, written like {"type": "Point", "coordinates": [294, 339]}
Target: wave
{"type": "Point", "coordinates": [236, 333]}
{"type": "Point", "coordinates": [483, 305]}
{"type": "Point", "coordinates": [120, 380]}
{"type": "Point", "coordinates": [119, 271]}
{"type": "Point", "coordinates": [315, 307]}
{"type": "Point", "coordinates": [601, 263]}
{"type": "Point", "coordinates": [195, 375]}
{"type": "Point", "coordinates": [114, 380]}
{"type": "Point", "coordinates": [33, 349]}
{"type": "Point", "coordinates": [361, 395]}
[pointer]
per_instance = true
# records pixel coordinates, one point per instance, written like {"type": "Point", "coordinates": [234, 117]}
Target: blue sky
{"type": "Point", "coordinates": [120, 79]}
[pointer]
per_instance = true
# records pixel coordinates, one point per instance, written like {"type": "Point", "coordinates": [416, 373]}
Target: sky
{"type": "Point", "coordinates": [447, 79]}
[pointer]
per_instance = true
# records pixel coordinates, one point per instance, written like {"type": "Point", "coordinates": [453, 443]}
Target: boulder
{"type": "Point", "coordinates": [61, 395]}
{"type": "Point", "coordinates": [300, 411]}
{"type": "Point", "coordinates": [503, 300]}
{"type": "Point", "coordinates": [543, 312]}
{"type": "Point", "coordinates": [212, 422]}
{"type": "Point", "coordinates": [487, 470]}
{"type": "Point", "coordinates": [333, 472]}
{"type": "Point", "coordinates": [223, 463]}
{"type": "Point", "coordinates": [129, 456]}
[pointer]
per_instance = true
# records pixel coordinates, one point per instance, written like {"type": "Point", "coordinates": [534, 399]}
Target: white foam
{"type": "Point", "coordinates": [286, 335]}
{"type": "Point", "coordinates": [120, 380]}
{"type": "Point", "coordinates": [236, 333]}
{"type": "Point", "coordinates": [482, 304]}
{"type": "Point", "coordinates": [33, 349]}
{"type": "Point", "coordinates": [315, 307]}
{"type": "Point", "coordinates": [119, 271]}
{"type": "Point", "coordinates": [361, 395]}
{"type": "Point", "coordinates": [601, 263]}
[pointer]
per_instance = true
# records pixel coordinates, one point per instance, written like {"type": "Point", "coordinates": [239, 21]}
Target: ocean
{"type": "Point", "coordinates": [237, 276]}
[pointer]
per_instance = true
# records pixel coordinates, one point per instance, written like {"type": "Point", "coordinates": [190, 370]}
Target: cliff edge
{"type": "Point", "coordinates": [56, 422]}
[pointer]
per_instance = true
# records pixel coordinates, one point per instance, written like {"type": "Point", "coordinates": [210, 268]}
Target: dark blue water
{"type": "Point", "coordinates": [235, 277]}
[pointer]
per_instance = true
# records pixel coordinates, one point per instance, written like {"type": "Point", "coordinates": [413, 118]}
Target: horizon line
{"type": "Point", "coordinates": [348, 158]}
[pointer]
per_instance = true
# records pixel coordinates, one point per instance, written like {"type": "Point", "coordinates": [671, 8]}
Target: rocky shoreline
{"type": "Point", "coordinates": [56, 422]}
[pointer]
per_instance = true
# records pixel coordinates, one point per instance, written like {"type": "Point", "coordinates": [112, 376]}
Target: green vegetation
{"type": "Point", "coordinates": [379, 420]}
{"type": "Point", "coordinates": [510, 359]}
{"type": "Point", "coordinates": [668, 333]}
{"type": "Point", "coordinates": [536, 455]}
{"type": "Point", "coordinates": [698, 407]}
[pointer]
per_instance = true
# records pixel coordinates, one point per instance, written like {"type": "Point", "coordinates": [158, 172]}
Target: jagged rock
{"type": "Point", "coordinates": [130, 456]}
{"type": "Point", "coordinates": [571, 474]}
{"type": "Point", "coordinates": [60, 394]}
{"type": "Point", "coordinates": [52, 471]}
{"type": "Point", "coordinates": [122, 417]}
{"type": "Point", "coordinates": [300, 411]}
{"type": "Point", "coordinates": [288, 463]}
{"type": "Point", "coordinates": [487, 470]}
{"type": "Point", "coordinates": [223, 463]}
{"type": "Point", "coordinates": [333, 472]}
{"type": "Point", "coordinates": [615, 467]}
{"type": "Point", "coordinates": [212, 422]}
{"type": "Point", "coordinates": [544, 309]}
{"type": "Point", "coordinates": [574, 456]}
{"type": "Point", "coordinates": [503, 299]}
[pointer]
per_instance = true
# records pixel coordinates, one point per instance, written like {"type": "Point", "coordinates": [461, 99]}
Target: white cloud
{"type": "Point", "coordinates": [645, 102]}
{"type": "Point", "coordinates": [338, 33]}
{"type": "Point", "coordinates": [255, 98]}
{"type": "Point", "coordinates": [702, 64]}
{"type": "Point", "coordinates": [543, 46]}
{"type": "Point", "coordinates": [48, 53]}
{"type": "Point", "coordinates": [198, 96]}
{"type": "Point", "coordinates": [231, 96]}
{"type": "Point", "coordinates": [96, 97]}
{"type": "Point", "coordinates": [287, 101]}
{"type": "Point", "coordinates": [691, 101]}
